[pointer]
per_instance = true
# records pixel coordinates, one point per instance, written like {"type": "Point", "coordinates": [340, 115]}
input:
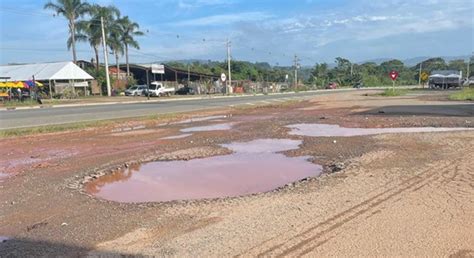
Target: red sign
{"type": "Point", "coordinates": [393, 75]}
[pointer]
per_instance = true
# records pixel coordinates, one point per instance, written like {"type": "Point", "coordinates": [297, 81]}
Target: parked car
{"type": "Point", "coordinates": [185, 91]}
{"type": "Point", "coordinates": [331, 85]}
{"type": "Point", "coordinates": [157, 89]}
{"type": "Point", "coordinates": [136, 90]}
{"type": "Point", "coordinates": [358, 85]}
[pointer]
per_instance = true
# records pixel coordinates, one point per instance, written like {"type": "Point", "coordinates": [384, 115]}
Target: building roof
{"type": "Point", "coordinates": [114, 70]}
{"type": "Point", "coordinates": [44, 72]}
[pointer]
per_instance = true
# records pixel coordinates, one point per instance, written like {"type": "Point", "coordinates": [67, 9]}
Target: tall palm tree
{"type": "Point", "coordinates": [114, 41]}
{"type": "Point", "coordinates": [91, 29]}
{"type": "Point", "coordinates": [129, 31]}
{"type": "Point", "coordinates": [71, 10]}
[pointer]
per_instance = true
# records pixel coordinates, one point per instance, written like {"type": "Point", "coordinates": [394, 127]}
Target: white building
{"type": "Point", "coordinates": [57, 76]}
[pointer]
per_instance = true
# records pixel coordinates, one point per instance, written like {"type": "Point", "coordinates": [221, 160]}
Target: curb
{"type": "Point", "coordinates": [187, 99]}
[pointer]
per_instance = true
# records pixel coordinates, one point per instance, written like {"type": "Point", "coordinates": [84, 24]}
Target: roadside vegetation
{"type": "Point", "coordinates": [390, 92]}
{"type": "Point", "coordinates": [464, 94]}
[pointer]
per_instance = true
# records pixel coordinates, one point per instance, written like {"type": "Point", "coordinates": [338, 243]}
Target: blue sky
{"type": "Point", "coordinates": [260, 30]}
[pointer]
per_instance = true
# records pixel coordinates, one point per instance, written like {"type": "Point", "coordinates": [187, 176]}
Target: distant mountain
{"type": "Point", "coordinates": [415, 60]}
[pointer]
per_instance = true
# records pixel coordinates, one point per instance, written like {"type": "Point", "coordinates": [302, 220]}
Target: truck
{"type": "Point", "coordinates": [157, 89]}
{"type": "Point", "coordinates": [445, 79]}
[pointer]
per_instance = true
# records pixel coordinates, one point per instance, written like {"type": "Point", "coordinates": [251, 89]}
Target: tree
{"type": "Point", "coordinates": [129, 31]}
{"type": "Point", "coordinates": [71, 10]}
{"type": "Point", "coordinates": [92, 28]}
{"type": "Point", "coordinates": [115, 44]}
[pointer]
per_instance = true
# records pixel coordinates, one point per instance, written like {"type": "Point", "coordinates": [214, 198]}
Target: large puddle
{"type": "Point", "coordinates": [254, 167]}
{"type": "Point", "coordinates": [325, 130]}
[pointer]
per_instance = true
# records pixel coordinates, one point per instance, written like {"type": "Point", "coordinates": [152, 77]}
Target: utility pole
{"type": "Point", "coordinates": [189, 76]}
{"type": "Point", "coordinates": [106, 61]}
{"type": "Point", "coordinates": [468, 68]}
{"type": "Point", "coordinates": [296, 64]}
{"type": "Point", "coordinates": [352, 69]}
{"type": "Point", "coordinates": [419, 74]}
{"type": "Point", "coordinates": [228, 66]}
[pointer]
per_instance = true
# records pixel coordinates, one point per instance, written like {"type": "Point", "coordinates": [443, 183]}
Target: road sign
{"type": "Point", "coordinates": [157, 68]}
{"type": "Point", "coordinates": [223, 77]}
{"type": "Point", "coordinates": [424, 76]}
{"type": "Point", "coordinates": [393, 75]}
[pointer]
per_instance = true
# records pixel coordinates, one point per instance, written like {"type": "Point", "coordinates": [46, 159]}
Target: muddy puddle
{"type": "Point", "coordinates": [326, 130]}
{"type": "Point", "coordinates": [254, 167]}
{"type": "Point", "coordinates": [205, 128]}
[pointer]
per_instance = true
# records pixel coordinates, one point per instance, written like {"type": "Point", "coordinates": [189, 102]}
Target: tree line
{"type": "Point", "coordinates": [84, 23]}
{"type": "Point", "coordinates": [343, 71]}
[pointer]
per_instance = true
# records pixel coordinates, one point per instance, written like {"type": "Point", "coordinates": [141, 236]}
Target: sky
{"type": "Point", "coordinates": [272, 31]}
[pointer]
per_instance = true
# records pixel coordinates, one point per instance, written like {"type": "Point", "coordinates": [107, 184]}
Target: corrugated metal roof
{"type": "Point", "coordinates": [44, 71]}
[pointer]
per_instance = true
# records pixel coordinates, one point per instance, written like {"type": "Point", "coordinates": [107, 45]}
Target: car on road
{"type": "Point", "coordinates": [157, 89]}
{"type": "Point", "coordinates": [357, 85]}
{"type": "Point", "coordinates": [185, 91]}
{"type": "Point", "coordinates": [331, 85]}
{"type": "Point", "coordinates": [136, 90]}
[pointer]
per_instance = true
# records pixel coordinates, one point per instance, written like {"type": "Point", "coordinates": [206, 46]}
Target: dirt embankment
{"type": "Point", "coordinates": [397, 194]}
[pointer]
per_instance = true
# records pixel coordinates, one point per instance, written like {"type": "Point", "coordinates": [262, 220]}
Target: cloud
{"type": "Point", "coordinates": [192, 4]}
{"type": "Point", "coordinates": [224, 19]}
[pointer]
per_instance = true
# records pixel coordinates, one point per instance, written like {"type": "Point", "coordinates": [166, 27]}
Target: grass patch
{"type": "Point", "coordinates": [82, 125]}
{"type": "Point", "coordinates": [51, 128]}
{"type": "Point", "coordinates": [390, 92]}
{"type": "Point", "coordinates": [25, 103]}
{"type": "Point", "coordinates": [464, 94]}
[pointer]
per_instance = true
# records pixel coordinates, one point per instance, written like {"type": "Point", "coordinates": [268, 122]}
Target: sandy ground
{"type": "Point", "coordinates": [405, 194]}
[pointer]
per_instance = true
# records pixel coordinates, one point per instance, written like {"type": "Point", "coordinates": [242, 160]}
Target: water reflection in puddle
{"type": "Point", "coordinates": [177, 136]}
{"type": "Point", "coordinates": [325, 130]}
{"type": "Point", "coordinates": [205, 128]}
{"type": "Point", "coordinates": [3, 176]}
{"type": "Point", "coordinates": [253, 167]}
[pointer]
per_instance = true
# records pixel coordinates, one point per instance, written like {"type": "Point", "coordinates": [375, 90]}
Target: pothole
{"type": "Point", "coordinates": [205, 128]}
{"type": "Point", "coordinates": [254, 167]}
{"type": "Point", "coordinates": [326, 130]}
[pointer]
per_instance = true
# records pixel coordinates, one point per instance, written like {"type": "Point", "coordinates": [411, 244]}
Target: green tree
{"type": "Point", "coordinates": [71, 10]}
{"type": "Point", "coordinates": [129, 31]}
{"type": "Point", "coordinates": [92, 29]}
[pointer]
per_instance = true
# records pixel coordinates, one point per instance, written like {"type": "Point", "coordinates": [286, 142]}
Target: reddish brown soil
{"type": "Point", "coordinates": [389, 188]}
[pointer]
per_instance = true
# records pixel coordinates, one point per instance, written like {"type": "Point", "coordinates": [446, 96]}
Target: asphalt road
{"type": "Point", "coordinates": [11, 119]}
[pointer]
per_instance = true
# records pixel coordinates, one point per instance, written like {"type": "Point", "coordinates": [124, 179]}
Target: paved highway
{"type": "Point", "coordinates": [11, 119]}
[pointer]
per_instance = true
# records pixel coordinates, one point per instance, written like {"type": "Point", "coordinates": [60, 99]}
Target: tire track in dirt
{"type": "Point", "coordinates": [297, 243]}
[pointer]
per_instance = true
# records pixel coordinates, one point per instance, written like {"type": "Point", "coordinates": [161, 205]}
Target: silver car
{"type": "Point", "coordinates": [136, 90]}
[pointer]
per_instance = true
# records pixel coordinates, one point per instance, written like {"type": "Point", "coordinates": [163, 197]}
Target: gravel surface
{"type": "Point", "coordinates": [407, 194]}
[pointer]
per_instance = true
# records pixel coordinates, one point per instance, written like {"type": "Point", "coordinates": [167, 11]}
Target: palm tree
{"type": "Point", "coordinates": [71, 10]}
{"type": "Point", "coordinates": [115, 43]}
{"type": "Point", "coordinates": [91, 30]}
{"type": "Point", "coordinates": [129, 31]}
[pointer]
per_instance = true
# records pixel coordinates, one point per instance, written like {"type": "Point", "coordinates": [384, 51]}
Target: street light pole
{"type": "Point", "coordinates": [228, 66]}
{"type": "Point", "coordinates": [106, 61]}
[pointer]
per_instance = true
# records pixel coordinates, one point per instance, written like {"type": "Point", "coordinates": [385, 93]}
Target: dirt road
{"type": "Point", "coordinates": [407, 194]}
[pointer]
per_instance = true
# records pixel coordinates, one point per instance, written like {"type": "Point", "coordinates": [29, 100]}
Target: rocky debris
{"type": "Point", "coordinates": [36, 226]}
{"type": "Point", "coordinates": [336, 167]}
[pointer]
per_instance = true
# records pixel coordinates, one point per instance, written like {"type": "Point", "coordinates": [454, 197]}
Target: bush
{"type": "Point", "coordinates": [68, 93]}
{"type": "Point", "coordinates": [464, 94]}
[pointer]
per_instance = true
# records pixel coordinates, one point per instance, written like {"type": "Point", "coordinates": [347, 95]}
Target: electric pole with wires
{"type": "Point", "coordinates": [296, 64]}
{"type": "Point", "coordinates": [106, 61]}
{"type": "Point", "coordinates": [228, 68]}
